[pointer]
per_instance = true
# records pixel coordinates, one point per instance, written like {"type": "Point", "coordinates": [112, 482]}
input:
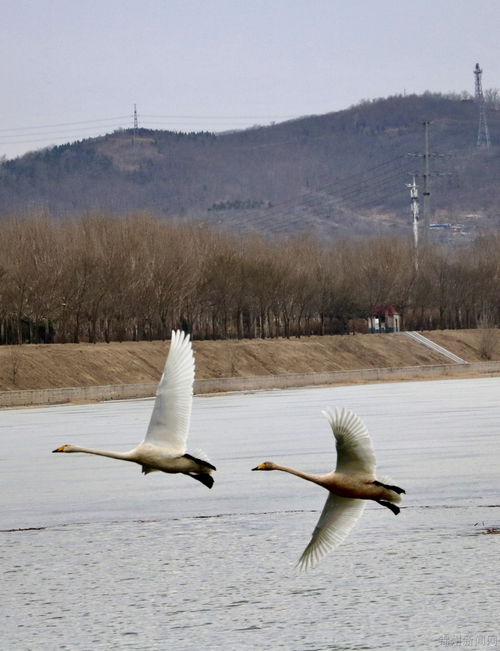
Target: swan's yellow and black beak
{"type": "Point", "coordinates": [261, 466]}
{"type": "Point", "coordinates": [59, 449]}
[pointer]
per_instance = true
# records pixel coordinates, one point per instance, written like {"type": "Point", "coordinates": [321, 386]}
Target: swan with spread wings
{"type": "Point", "coordinates": [350, 485]}
{"type": "Point", "coordinates": [164, 447]}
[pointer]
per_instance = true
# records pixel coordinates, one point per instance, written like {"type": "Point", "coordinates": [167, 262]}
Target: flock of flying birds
{"type": "Point", "coordinates": [349, 486]}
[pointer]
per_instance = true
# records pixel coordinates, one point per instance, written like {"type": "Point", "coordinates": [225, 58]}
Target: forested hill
{"type": "Point", "coordinates": [343, 172]}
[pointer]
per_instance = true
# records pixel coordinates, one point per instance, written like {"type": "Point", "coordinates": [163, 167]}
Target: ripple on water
{"type": "Point", "coordinates": [395, 570]}
{"type": "Point", "coordinates": [150, 566]}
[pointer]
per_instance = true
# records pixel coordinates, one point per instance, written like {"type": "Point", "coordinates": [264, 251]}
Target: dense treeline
{"type": "Point", "coordinates": [102, 279]}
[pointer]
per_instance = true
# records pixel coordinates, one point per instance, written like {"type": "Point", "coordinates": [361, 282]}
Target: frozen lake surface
{"type": "Point", "coordinates": [96, 556]}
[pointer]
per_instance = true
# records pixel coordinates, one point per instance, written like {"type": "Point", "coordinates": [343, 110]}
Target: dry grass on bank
{"type": "Point", "coordinates": [469, 344]}
{"type": "Point", "coordinates": [72, 365]}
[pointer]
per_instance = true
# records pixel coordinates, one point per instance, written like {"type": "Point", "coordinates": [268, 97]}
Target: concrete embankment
{"type": "Point", "coordinates": [255, 383]}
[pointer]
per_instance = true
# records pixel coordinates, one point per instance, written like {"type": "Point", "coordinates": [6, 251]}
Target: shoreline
{"type": "Point", "coordinates": [94, 394]}
{"type": "Point", "coordinates": [43, 374]}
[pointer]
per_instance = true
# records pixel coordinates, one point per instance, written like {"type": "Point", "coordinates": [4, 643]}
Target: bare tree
{"type": "Point", "coordinates": [101, 278]}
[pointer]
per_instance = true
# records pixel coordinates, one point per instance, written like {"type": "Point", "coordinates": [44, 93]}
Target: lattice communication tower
{"type": "Point", "coordinates": [483, 135]}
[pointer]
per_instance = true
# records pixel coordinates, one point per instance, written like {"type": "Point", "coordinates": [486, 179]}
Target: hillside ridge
{"type": "Point", "coordinates": [340, 173]}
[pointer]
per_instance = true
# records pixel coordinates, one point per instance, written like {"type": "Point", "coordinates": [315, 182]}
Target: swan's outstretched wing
{"type": "Point", "coordinates": [169, 424]}
{"type": "Point", "coordinates": [354, 447]}
{"type": "Point", "coordinates": [338, 517]}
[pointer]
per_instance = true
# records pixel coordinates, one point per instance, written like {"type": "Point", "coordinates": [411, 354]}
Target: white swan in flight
{"type": "Point", "coordinates": [350, 485]}
{"type": "Point", "coordinates": [164, 447]}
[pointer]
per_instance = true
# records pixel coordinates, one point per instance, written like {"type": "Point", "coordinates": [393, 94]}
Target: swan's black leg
{"type": "Point", "coordinates": [201, 462]}
{"type": "Point", "coordinates": [396, 489]}
{"type": "Point", "coordinates": [395, 509]}
{"type": "Point", "coordinates": [205, 479]}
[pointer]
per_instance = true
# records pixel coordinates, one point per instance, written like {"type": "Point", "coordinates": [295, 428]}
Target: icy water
{"type": "Point", "coordinates": [96, 556]}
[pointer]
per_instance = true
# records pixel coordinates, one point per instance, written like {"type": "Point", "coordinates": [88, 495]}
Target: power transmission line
{"type": "Point", "coordinates": [70, 131]}
{"type": "Point", "coordinates": [63, 124]}
{"type": "Point", "coordinates": [426, 175]}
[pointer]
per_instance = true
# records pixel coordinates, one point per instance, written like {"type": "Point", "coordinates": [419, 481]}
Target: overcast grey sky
{"type": "Point", "coordinates": [74, 68]}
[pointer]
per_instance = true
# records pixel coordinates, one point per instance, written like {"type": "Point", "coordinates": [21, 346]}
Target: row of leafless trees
{"type": "Point", "coordinates": [107, 279]}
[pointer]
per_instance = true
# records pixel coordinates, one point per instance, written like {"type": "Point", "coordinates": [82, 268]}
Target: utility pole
{"type": "Point", "coordinates": [483, 134]}
{"type": "Point", "coordinates": [426, 176]}
{"type": "Point", "coordinates": [414, 208]}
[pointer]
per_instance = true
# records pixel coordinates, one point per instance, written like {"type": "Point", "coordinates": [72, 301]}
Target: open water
{"type": "Point", "coordinates": [96, 556]}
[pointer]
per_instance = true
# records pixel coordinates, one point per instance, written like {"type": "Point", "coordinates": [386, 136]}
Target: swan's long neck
{"type": "Point", "coordinates": [125, 456]}
{"type": "Point", "coordinates": [316, 479]}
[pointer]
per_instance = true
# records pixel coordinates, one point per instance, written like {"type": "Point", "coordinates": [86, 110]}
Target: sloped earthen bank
{"type": "Point", "coordinates": [45, 374]}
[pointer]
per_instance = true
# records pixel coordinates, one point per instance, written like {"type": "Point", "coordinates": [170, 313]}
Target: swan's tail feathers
{"type": "Point", "coordinates": [205, 479]}
{"type": "Point", "coordinates": [395, 509]}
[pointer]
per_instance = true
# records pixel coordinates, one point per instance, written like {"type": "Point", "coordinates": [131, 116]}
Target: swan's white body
{"type": "Point", "coordinates": [164, 447]}
{"type": "Point", "coordinates": [350, 485]}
